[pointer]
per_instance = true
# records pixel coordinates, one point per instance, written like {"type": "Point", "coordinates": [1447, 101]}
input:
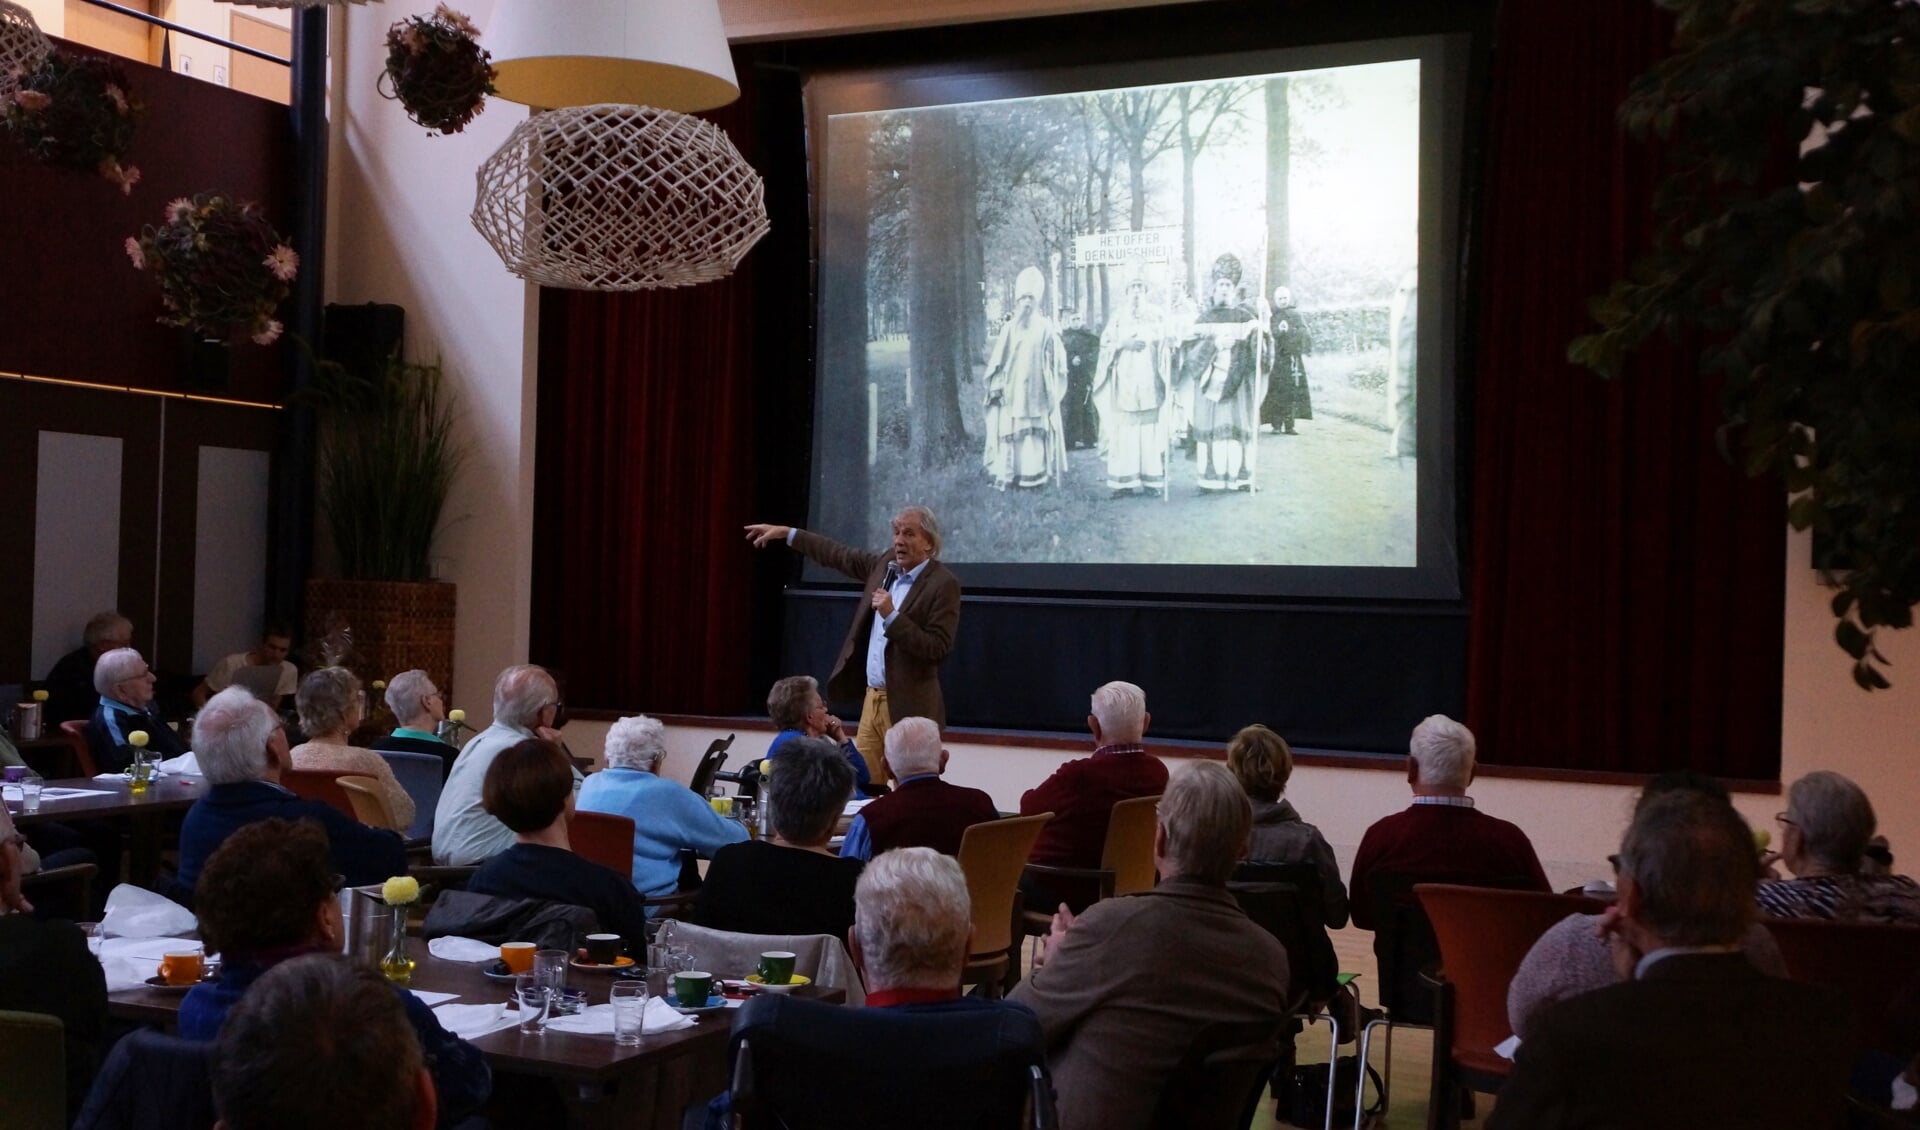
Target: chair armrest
{"type": "Point", "coordinates": [71, 873]}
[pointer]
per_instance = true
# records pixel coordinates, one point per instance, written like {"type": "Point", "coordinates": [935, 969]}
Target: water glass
{"type": "Point", "coordinates": [629, 999]}
{"type": "Point", "coordinates": [30, 794]}
{"type": "Point", "coordinates": [532, 996]}
{"type": "Point", "coordinates": [94, 935]}
{"type": "Point", "coordinates": [680, 959]}
{"type": "Point", "coordinates": [551, 967]}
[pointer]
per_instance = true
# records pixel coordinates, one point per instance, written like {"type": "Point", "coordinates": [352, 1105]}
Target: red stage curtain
{"type": "Point", "coordinates": [1625, 581]}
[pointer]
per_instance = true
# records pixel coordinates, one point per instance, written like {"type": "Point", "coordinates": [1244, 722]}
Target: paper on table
{"type": "Point", "coordinates": [472, 1021]}
{"type": "Point", "coordinates": [430, 998]}
{"type": "Point", "coordinates": [1505, 1048]}
{"type": "Point", "coordinates": [595, 1020]}
{"type": "Point", "coordinates": [122, 777]}
{"type": "Point", "coordinates": [185, 763]}
{"type": "Point", "coordinates": [454, 948]}
{"type": "Point", "coordinates": [69, 794]}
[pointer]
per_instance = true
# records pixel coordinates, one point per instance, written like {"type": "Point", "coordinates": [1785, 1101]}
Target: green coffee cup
{"type": "Point", "coordinates": [693, 989]}
{"type": "Point", "coordinates": [776, 967]}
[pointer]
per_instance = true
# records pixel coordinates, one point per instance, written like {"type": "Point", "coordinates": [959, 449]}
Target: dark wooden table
{"type": "Point", "coordinates": [165, 796]}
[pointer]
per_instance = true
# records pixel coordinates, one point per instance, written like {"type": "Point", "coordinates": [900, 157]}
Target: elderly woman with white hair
{"type": "Point", "coordinates": [331, 707]}
{"type": "Point", "coordinates": [419, 707]}
{"type": "Point", "coordinates": [1823, 841]}
{"type": "Point", "coordinates": [667, 816]}
{"type": "Point", "coordinates": [125, 684]}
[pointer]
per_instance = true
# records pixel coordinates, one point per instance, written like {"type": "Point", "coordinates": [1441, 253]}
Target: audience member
{"type": "Point", "coordinates": [419, 707]}
{"type": "Point", "coordinates": [45, 967]}
{"type": "Point", "coordinates": [792, 883]}
{"type": "Point", "coordinates": [69, 684]}
{"type": "Point", "coordinates": [525, 703]}
{"type": "Point", "coordinates": [796, 707]}
{"type": "Point", "coordinates": [1081, 794]}
{"type": "Point", "coordinates": [242, 750]}
{"type": "Point", "coordinates": [1442, 834]}
{"type": "Point", "coordinates": [1695, 1036]}
{"type": "Point", "coordinates": [1824, 834]}
{"type": "Point", "coordinates": [1122, 989]}
{"type": "Point", "coordinates": [529, 789]}
{"type": "Point", "coordinates": [1262, 762]}
{"type": "Point", "coordinates": [125, 684]}
{"type": "Point", "coordinates": [269, 895]}
{"type": "Point", "coordinates": [263, 670]}
{"type": "Point", "coordinates": [331, 707]}
{"type": "Point", "coordinates": [319, 1044]}
{"type": "Point", "coordinates": [667, 816]}
{"type": "Point", "coordinates": [1572, 957]}
{"type": "Point", "coordinates": [922, 810]}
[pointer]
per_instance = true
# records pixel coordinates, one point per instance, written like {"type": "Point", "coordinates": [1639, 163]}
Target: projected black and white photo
{"type": "Point", "coordinates": [1167, 324]}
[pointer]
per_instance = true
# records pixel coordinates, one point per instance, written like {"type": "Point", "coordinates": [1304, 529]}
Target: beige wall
{"type": "Point", "coordinates": [398, 232]}
{"type": "Point", "coordinates": [748, 20]}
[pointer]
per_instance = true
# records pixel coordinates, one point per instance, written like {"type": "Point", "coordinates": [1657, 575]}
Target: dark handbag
{"type": "Point", "coordinates": [1306, 1098]}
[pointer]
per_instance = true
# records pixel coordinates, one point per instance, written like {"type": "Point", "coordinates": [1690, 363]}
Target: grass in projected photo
{"type": "Point", "coordinates": [1161, 325]}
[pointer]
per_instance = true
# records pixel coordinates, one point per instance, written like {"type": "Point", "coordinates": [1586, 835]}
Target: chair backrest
{"type": "Point", "coordinates": [1483, 934]}
{"type": "Point", "coordinates": [33, 1048]}
{"type": "Point", "coordinates": [604, 838]}
{"type": "Point", "coordinates": [1403, 943]}
{"type": "Point", "coordinates": [421, 776]}
{"type": "Point", "coordinates": [44, 888]}
{"type": "Point", "coordinates": [932, 1069]}
{"type": "Point", "coordinates": [710, 763]}
{"type": "Point", "coordinates": [152, 1081]}
{"type": "Point", "coordinates": [1217, 1083]}
{"type": "Point", "coordinates": [992, 855]}
{"type": "Point", "coordinates": [1129, 849]}
{"type": "Point", "coordinates": [369, 803]}
{"type": "Point", "coordinates": [76, 734]}
{"type": "Point", "coordinates": [1285, 900]}
{"type": "Point", "coordinates": [319, 784]}
{"type": "Point", "coordinates": [724, 953]}
{"type": "Point", "coordinates": [1875, 964]}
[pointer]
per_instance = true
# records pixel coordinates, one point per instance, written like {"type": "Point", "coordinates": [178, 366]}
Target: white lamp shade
{"type": "Point", "coordinates": [669, 54]}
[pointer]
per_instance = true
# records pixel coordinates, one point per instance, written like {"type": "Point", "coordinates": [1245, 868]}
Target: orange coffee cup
{"type": "Point", "coordinates": [517, 955]}
{"type": "Point", "coordinates": [183, 968]}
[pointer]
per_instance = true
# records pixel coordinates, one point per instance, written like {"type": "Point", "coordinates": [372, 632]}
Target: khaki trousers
{"type": "Point", "coordinates": [871, 739]}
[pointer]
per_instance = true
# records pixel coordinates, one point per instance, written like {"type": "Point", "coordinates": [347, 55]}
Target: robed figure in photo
{"type": "Point", "coordinates": [1130, 392]}
{"type": "Point", "coordinates": [1288, 398]}
{"type": "Point", "coordinates": [1026, 380]}
{"type": "Point", "coordinates": [1221, 361]}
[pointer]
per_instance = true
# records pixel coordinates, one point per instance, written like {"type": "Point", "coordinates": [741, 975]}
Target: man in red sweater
{"type": "Point", "coordinates": [922, 810]}
{"type": "Point", "coordinates": [1081, 794]}
{"type": "Point", "coordinates": [1442, 834]}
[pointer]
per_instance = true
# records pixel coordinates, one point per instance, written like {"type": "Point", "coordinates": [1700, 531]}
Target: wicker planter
{"type": "Point", "coordinates": [397, 625]}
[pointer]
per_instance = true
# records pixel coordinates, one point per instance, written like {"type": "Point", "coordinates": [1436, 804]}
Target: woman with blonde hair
{"type": "Point", "coordinates": [1262, 762]}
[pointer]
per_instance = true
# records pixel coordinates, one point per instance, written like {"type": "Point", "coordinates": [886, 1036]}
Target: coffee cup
{"type": "Point", "coordinates": [518, 955]}
{"type": "Point", "coordinates": [692, 988]}
{"type": "Point", "coordinates": [776, 967]}
{"type": "Point", "coordinates": [603, 949]}
{"type": "Point", "coordinates": [185, 967]}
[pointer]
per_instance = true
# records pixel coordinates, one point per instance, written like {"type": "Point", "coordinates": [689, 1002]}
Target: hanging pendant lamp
{"type": "Point", "coordinates": [670, 54]}
{"type": "Point", "coordinates": [23, 47]}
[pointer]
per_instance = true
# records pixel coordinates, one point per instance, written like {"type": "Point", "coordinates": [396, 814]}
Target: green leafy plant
{"type": "Point", "coordinates": [388, 459]}
{"type": "Point", "coordinates": [1788, 233]}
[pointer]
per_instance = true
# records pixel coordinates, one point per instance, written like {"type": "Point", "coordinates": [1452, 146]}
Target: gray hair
{"type": "Point", "coordinates": [106, 626]}
{"type": "Point", "coordinates": [1122, 711]}
{"type": "Point", "coordinates": [1691, 858]}
{"type": "Point", "coordinates": [230, 736]}
{"type": "Point", "coordinates": [407, 694]}
{"type": "Point", "coordinates": [636, 743]}
{"type": "Point", "coordinates": [807, 789]}
{"type": "Point", "coordinates": [913, 747]}
{"type": "Point", "coordinates": [1443, 749]}
{"type": "Point", "coordinates": [521, 693]}
{"type": "Point", "coordinates": [326, 700]}
{"type": "Point", "coordinates": [787, 701]}
{"type": "Point", "coordinates": [1835, 819]}
{"type": "Point", "coordinates": [116, 666]}
{"type": "Point", "coordinates": [929, 525]}
{"type": "Point", "coordinates": [1208, 818]}
{"type": "Point", "coordinates": [912, 917]}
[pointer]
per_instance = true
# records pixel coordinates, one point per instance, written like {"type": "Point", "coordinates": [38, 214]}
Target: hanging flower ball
{"type": "Point", "coordinates": [76, 112]}
{"type": "Point", "coordinates": [437, 70]}
{"type": "Point", "coordinates": [220, 264]}
{"type": "Point", "coordinates": [23, 47]}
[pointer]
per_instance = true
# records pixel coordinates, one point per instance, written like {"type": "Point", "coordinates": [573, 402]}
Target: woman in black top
{"type": "Point", "coordinates": [529, 788]}
{"type": "Point", "coordinates": [790, 884]}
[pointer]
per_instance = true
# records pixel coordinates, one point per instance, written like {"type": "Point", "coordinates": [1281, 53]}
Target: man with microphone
{"type": "Point", "coordinates": [900, 634]}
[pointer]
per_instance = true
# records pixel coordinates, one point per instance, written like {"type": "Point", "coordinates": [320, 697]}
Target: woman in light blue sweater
{"type": "Point", "coordinates": [667, 816]}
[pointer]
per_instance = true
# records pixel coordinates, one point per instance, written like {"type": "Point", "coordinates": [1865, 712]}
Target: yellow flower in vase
{"type": "Point", "coordinates": [399, 892]}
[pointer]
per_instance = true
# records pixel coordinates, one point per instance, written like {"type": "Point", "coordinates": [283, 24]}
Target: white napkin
{"type": "Point", "coordinates": [123, 778]}
{"type": "Point", "coordinates": [662, 1017]}
{"type": "Point", "coordinates": [1505, 1048]}
{"type": "Point", "coordinates": [186, 763]}
{"type": "Point", "coordinates": [594, 1020]}
{"type": "Point", "coordinates": [430, 999]}
{"type": "Point", "coordinates": [453, 948]}
{"type": "Point", "coordinates": [472, 1021]}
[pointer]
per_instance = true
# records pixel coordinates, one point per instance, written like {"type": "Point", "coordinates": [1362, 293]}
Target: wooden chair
{"type": "Point", "coordinates": [604, 838]}
{"type": "Point", "coordinates": [993, 855]}
{"type": "Point", "coordinates": [710, 763]}
{"type": "Point", "coordinates": [1126, 860]}
{"type": "Point", "coordinates": [322, 785]}
{"type": "Point", "coordinates": [1217, 1083]}
{"type": "Point", "coordinates": [1483, 934]}
{"type": "Point", "coordinates": [33, 1047]}
{"type": "Point", "coordinates": [369, 803]}
{"type": "Point", "coordinates": [76, 735]}
{"type": "Point", "coordinates": [1877, 965]}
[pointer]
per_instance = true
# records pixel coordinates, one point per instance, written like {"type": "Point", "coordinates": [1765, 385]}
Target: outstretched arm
{"type": "Point", "coordinates": [763, 535]}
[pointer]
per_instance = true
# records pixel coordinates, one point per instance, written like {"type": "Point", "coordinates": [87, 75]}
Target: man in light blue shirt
{"type": "Point", "coordinates": [667, 816]}
{"type": "Point", "coordinates": [525, 700]}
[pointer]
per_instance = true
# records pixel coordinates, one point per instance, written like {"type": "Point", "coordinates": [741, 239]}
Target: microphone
{"type": "Point", "coordinates": [893, 574]}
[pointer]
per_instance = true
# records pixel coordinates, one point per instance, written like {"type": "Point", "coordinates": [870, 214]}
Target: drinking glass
{"type": "Point", "coordinates": [551, 967]}
{"type": "Point", "coordinates": [680, 959]}
{"type": "Point", "coordinates": [30, 793]}
{"type": "Point", "coordinates": [629, 999]}
{"type": "Point", "coordinates": [532, 995]}
{"type": "Point", "coordinates": [94, 936]}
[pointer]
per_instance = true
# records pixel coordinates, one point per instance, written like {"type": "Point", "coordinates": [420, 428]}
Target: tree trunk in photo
{"type": "Point", "coordinates": [845, 302]}
{"type": "Point", "coordinates": [940, 217]}
{"type": "Point", "coordinates": [1279, 164]}
{"type": "Point", "coordinates": [1189, 153]}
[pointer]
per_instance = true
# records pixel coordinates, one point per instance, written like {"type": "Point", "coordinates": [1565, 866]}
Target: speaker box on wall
{"type": "Point", "coordinates": [362, 339]}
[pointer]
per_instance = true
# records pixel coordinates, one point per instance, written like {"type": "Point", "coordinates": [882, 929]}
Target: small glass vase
{"type": "Point", "coordinates": [140, 773]}
{"type": "Point", "coordinates": [398, 964]}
